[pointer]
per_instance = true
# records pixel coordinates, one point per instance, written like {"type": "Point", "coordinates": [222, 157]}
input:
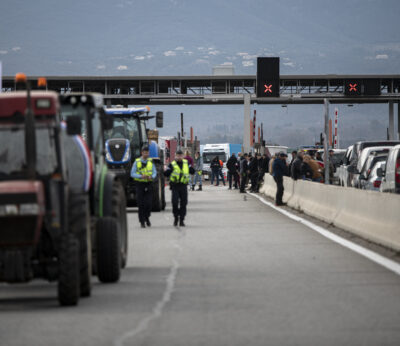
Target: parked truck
{"type": "Point", "coordinates": [223, 151]}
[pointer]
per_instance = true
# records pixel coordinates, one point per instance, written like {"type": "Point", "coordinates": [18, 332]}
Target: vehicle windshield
{"type": "Point", "coordinates": [208, 157]}
{"type": "Point", "coordinates": [80, 110]}
{"type": "Point", "coordinates": [12, 150]}
{"type": "Point", "coordinates": [125, 127]}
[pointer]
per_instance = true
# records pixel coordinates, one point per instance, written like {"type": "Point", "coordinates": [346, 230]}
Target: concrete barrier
{"type": "Point", "coordinates": [372, 215]}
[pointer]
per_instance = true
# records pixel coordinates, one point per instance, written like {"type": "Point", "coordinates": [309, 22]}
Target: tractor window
{"type": "Point", "coordinates": [143, 129]}
{"type": "Point", "coordinates": [12, 150]}
{"type": "Point", "coordinates": [126, 127]}
{"type": "Point", "coordinates": [79, 110]}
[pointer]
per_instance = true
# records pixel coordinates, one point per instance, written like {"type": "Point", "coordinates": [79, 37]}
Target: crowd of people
{"type": "Point", "coordinates": [242, 170]}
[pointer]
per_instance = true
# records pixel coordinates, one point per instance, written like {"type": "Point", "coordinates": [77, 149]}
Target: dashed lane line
{"type": "Point", "coordinates": [373, 256]}
{"type": "Point", "coordinates": [160, 305]}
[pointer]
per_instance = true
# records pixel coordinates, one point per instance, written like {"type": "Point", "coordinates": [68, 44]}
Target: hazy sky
{"type": "Point", "coordinates": [158, 37]}
{"type": "Point", "coordinates": [189, 37]}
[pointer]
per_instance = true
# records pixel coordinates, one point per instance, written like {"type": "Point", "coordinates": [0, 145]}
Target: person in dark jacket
{"type": "Point", "coordinates": [280, 169]}
{"type": "Point", "coordinates": [296, 169]}
{"type": "Point", "coordinates": [263, 167]}
{"type": "Point", "coordinates": [215, 167]}
{"type": "Point", "coordinates": [179, 172]}
{"type": "Point", "coordinates": [244, 171]}
{"type": "Point", "coordinates": [231, 165]}
{"type": "Point", "coordinates": [294, 156]}
{"type": "Point", "coordinates": [253, 168]}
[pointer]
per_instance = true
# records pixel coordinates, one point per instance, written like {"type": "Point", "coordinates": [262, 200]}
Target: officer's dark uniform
{"type": "Point", "coordinates": [144, 189]}
{"type": "Point", "coordinates": [179, 172]}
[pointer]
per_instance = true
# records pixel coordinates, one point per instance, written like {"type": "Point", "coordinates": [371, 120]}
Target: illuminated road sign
{"type": "Point", "coordinates": [267, 77]}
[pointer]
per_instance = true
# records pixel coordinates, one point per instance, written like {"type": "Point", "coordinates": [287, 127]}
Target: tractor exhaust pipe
{"type": "Point", "coordinates": [30, 131]}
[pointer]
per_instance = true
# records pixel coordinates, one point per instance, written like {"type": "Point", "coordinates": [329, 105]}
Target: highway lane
{"type": "Point", "coordinates": [239, 273]}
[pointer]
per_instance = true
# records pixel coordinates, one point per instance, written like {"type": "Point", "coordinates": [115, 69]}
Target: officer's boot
{"type": "Point", "coordinates": [200, 188]}
{"type": "Point", "coordinates": [192, 188]}
{"type": "Point", "coordinates": [181, 223]}
{"type": "Point", "coordinates": [176, 221]}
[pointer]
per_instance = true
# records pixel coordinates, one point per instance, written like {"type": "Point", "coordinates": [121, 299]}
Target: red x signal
{"type": "Point", "coordinates": [353, 87]}
{"type": "Point", "coordinates": [268, 88]}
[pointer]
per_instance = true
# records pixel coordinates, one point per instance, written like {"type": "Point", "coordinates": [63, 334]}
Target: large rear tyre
{"type": "Point", "coordinates": [108, 250]}
{"type": "Point", "coordinates": [79, 224]}
{"type": "Point", "coordinates": [119, 213]}
{"type": "Point", "coordinates": [68, 278]}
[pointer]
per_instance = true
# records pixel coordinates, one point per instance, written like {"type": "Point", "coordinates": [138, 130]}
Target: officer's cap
{"type": "Point", "coordinates": [145, 148]}
{"type": "Point", "coordinates": [179, 152]}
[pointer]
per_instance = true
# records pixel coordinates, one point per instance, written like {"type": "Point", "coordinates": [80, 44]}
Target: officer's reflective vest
{"type": "Point", "coordinates": [146, 170]}
{"type": "Point", "coordinates": [179, 175]}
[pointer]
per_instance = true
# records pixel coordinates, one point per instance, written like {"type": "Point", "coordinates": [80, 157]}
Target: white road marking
{"type": "Point", "coordinates": [383, 261]}
{"type": "Point", "coordinates": [159, 307]}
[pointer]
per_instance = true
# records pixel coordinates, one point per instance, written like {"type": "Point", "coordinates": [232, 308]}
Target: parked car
{"type": "Point", "coordinates": [341, 171]}
{"type": "Point", "coordinates": [355, 154]}
{"type": "Point", "coordinates": [369, 165]}
{"type": "Point", "coordinates": [373, 181]}
{"type": "Point", "coordinates": [365, 154]}
{"type": "Point", "coordinates": [391, 175]}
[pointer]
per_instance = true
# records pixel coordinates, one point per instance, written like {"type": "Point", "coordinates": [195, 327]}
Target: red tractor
{"type": "Point", "coordinates": [45, 226]}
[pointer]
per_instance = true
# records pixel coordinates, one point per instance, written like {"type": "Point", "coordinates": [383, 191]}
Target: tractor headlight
{"type": "Point", "coordinates": [127, 155]}
{"type": "Point", "coordinates": [22, 209]}
{"type": "Point", "coordinates": [29, 209]}
{"type": "Point", "coordinates": [108, 157]}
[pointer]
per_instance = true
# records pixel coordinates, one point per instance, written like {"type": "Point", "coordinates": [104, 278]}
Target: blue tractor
{"type": "Point", "coordinates": [123, 145]}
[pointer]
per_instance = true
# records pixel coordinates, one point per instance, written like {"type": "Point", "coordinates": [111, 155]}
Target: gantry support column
{"type": "Point", "coordinates": [246, 123]}
{"type": "Point", "coordinates": [391, 121]}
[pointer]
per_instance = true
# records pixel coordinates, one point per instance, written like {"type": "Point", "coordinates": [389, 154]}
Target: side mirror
{"type": "Point", "coordinates": [362, 177]}
{"type": "Point", "coordinates": [380, 173]}
{"type": "Point", "coordinates": [159, 119]}
{"type": "Point", "coordinates": [74, 125]}
{"type": "Point", "coordinates": [107, 121]}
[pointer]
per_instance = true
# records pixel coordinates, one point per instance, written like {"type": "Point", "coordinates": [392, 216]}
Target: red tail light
{"type": "Point", "coordinates": [397, 172]}
{"type": "Point", "coordinates": [377, 183]}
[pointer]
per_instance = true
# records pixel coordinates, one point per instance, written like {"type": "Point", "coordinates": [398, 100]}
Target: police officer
{"type": "Point", "coordinates": [144, 172]}
{"type": "Point", "coordinates": [178, 172]}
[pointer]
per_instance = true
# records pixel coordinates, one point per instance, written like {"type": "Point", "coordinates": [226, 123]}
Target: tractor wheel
{"type": "Point", "coordinates": [79, 224]}
{"type": "Point", "coordinates": [119, 213]}
{"type": "Point", "coordinates": [68, 276]}
{"type": "Point", "coordinates": [108, 250]}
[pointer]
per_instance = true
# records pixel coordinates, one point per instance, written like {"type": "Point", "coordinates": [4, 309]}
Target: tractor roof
{"type": "Point", "coordinates": [44, 103]}
{"type": "Point", "coordinates": [127, 111]}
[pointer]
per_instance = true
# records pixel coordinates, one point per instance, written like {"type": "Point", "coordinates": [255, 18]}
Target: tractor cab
{"type": "Point", "coordinates": [107, 195]}
{"type": "Point", "coordinates": [36, 239]}
{"type": "Point", "coordinates": [127, 136]}
{"type": "Point", "coordinates": [123, 146]}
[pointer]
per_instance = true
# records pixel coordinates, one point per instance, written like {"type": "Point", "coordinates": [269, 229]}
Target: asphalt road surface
{"type": "Point", "coordinates": [240, 273]}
